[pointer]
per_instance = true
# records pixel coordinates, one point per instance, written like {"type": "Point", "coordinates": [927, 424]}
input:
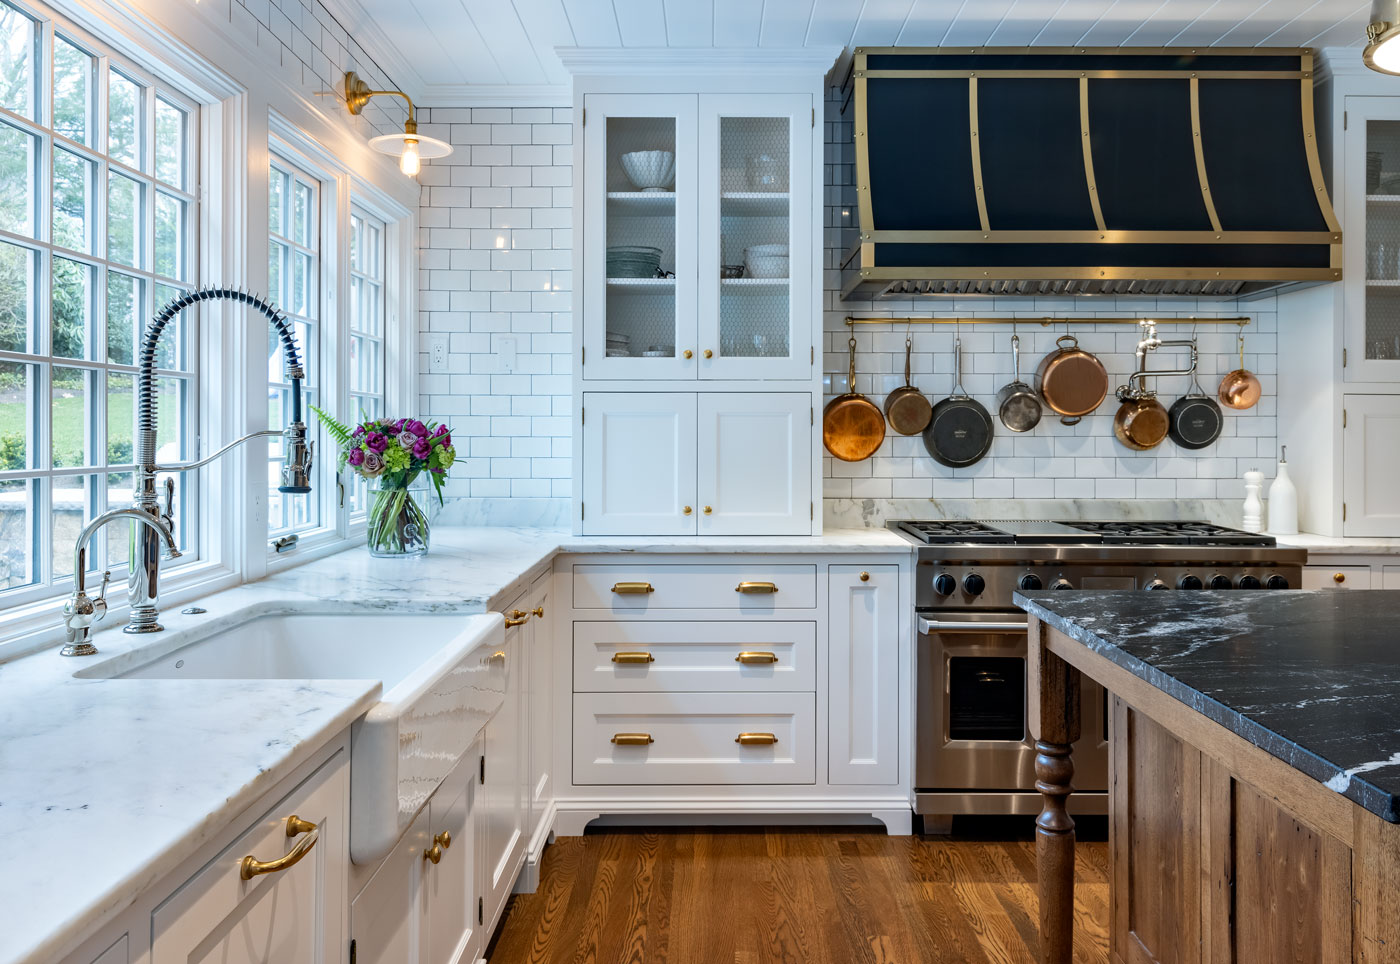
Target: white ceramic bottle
{"type": "Point", "coordinates": [1283, 501]}
{"type": "Point", "coordinates": [1253, 508]}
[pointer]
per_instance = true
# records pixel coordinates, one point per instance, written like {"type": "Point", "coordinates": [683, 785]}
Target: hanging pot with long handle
{"type": "Point", "coordinates": [1018, 406]}
{"type": "Point", "coordinates": [906, 408]}
{"type": "Point", "coordinates": [1240, 389]}
{"type": "Point", "coordinates": [1196, 419]}
{"type": "Point", "coordinates": [1141, 422]}
{"type": "Point", "coordinates": [852, 425]}
{"type": "Point", "coordinates": [960, 431]}
{"type": "Point", "coordinates": [1072, 381]}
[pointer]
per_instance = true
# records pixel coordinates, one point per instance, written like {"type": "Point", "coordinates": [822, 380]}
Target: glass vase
{"type": "Point", "coordinates": [399, 524]}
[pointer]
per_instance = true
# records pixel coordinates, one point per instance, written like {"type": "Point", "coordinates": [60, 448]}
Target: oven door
{"type": "Point", "coordinates": [972, 730]}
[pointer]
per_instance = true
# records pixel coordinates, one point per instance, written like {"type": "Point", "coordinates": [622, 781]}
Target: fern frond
{"type": "Point", "coordinates": [337, 431]}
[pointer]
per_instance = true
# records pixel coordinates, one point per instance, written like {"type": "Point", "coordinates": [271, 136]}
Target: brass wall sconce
{"type": "Point", "coordinates": [1382, 51]}
{"type": "Point", "coordinates": [410, 147]}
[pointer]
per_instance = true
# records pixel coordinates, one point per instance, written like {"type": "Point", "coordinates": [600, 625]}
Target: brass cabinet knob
{"type": "Point", "coordinates": [499, 654]}
{"type": "Point", "coordinates": [433, 853]}
{"type": "Point", "coordinates": [865, 577]}
{"type": "Point", "coordinates": [251, 867]}
{"type": "Point", "coordinates": [688, 353]}
{"type": "Point", "coordinates": [1339, 577]}
{"type": "Point", "coordinates": [709, 354]}
{"type": "Point", "coordinates": [708, 510]}
{"type": "Point", "coordinates": [444, 838]}
{"type": "Point", "coordinates": [686, 511]}
{"type": "Point", "coordinates": [538, 611]}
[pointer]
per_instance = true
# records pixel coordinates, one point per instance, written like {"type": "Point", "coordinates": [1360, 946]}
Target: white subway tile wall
{"type": "Point", "coordinates": [495, 242]}
{"type": "Point", "coordinates": [1052, 461]}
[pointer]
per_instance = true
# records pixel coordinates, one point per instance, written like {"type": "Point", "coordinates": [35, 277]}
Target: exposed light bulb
{"type": "Point", "coordinates": [409, 162]}
{"type": "Point", "coordinates": [1385, 56]}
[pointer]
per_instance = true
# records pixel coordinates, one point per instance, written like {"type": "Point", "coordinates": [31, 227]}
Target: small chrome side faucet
{"type": "Point", "coordinates": [81, 610]}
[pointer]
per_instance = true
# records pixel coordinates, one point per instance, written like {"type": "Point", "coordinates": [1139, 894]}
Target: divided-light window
{"type": "Point", "coordinates": [97, 218]}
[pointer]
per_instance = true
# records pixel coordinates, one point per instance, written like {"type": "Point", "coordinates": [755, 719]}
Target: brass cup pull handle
{"type": "Point", "coordinates": [444, 839]}
{"type": "Point", "coordinates": [433, 853]}
{"type": "Point", "coordinates": [632, 588]}
{"type": "Point", "coordinates": [755, 739]}
{"type": "Point", "coordinates": [538, 611]}
{"type": "Point", "coordinates": [516, 622]}
{"type": "Point", "coordinates": [631, 739]}
{"type": "Point", "coordinates": [756, 587]}
{"type": "Point", "coordinates": [251, 867]}
{"type": "Point", "coordinates": [1339, 578]}
{"type": "Point", "coordinates": [633, 658]}
{"type": "Point", "coordinates": [749, 657]}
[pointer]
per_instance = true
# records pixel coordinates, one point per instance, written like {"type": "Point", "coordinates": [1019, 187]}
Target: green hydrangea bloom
{"type": "Point", "coordinates": [446, 457]}
{"type": "Point", "coordinates": [395, 459]}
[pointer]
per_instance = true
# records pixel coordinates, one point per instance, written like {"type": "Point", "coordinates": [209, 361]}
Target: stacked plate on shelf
{"type": "Point", "coordinates": [633, 261]}
{"type": "Point", "coordinates": [766, 261]}
{"type": "Point", "coordinates": [618, 346]}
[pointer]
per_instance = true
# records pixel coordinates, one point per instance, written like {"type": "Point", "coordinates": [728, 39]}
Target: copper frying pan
{"type": "Point", "coordinates": [852, 425]}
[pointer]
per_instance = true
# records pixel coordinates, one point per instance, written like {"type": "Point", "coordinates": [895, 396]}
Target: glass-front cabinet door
{"type": "Point", "coordinates": [755, 310]}
{"type": "Point", "coordinates": [1372, 239]}
{"type": "Point", "coordinates": [640, 236]}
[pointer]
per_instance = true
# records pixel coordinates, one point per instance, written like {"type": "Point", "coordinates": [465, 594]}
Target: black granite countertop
{"type": "Point", "coordinates": [1313, 678]}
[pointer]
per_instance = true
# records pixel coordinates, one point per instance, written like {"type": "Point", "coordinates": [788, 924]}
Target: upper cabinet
{"type": "Point", "coordinates": [698, 237]}
{"type": "Point", "coordinates": [1372, 206]}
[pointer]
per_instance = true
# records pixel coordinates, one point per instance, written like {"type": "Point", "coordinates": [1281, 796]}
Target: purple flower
{"type": "Point", "coordinates": [447, 441]}
{"type": "Point", "coordinates": [422, 448]}
{"type": "Point", "coordinates": [416, 427]}
{"type": "Point", "coordinates": [440, 430]}
{"type": "Point", "coordinates": [359, 432]}
{"type": "Point", "coordinates": [373, 464]}
{"type": "Point", "coordinates": [398, 425]}
{"type": "Point", "coordinates": [378, 443]}
{"type": "Point", "coordinates": [407, 439]}
{"type": "Point", "coordinates": [357, 456]}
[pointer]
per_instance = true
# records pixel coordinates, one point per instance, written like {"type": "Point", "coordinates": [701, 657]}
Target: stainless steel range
{"type": "Point", "coordinates": [973, 749]}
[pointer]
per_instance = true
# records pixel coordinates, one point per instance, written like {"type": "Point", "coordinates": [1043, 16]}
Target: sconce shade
{"type": "Point", "coordinates": [1382, 51]}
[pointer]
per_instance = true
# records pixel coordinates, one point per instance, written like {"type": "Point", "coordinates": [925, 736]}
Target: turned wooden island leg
{"type": "Point", "coordinates": [1053, 711]}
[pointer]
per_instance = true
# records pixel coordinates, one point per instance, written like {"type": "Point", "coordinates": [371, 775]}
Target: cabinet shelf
{"type": "Point", "coordinates": [753, 204]}
{"type": "Point", "coordinates": [754, 286]}
{"type": "Point", "coordinates": [1383, 199]}
{"type": "Point", "coordinates": [651, 284]}
{"type": "Point", "coordinates": [1379, 283]}
{"type": "Point", "coordinates": [654, 204]}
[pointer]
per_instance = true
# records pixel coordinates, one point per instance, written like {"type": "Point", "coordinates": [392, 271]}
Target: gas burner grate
{"type": "Point", "coordinates": [949, 531]}
{"type": "Point", "coordinates": [1171, 534]}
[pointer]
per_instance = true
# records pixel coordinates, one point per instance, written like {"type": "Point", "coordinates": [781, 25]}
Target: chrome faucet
{"type": "Point", "coordinates": [143, 584]}
{"type": "Point", "coordinates": [82, 611]}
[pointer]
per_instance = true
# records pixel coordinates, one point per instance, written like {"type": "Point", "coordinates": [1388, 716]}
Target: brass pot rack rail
{"type": "Point", "coordinates": [1046, 322]}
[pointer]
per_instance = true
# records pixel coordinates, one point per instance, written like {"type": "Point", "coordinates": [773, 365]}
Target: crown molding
{"type": "Point", "coordinates": [365, 30]}
{"type": "Point", "coordinates": [1343, 62]}
{"type": "Point", "coordinates": [630, 61]}
{"type": "Point", "coordinates": [495, 95]}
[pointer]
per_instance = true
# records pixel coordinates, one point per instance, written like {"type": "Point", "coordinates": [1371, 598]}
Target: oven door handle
{"type": "Point", "coordinates": [928, 626]}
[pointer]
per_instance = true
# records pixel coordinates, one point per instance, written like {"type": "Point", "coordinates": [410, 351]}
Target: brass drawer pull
{"type": "Point", "coordinates": [512, 623]}
{"type": "Point", "coordinates": [631, 739]}
{"type": "Point", "coordinates": [756, 587]}
{"type": "Point", "coordinates": [750, 657]}
{"type": "Point", "coordinates": [518, 614]}
{"type": "Point", "coordinates": [633, 658]}
{"type": "Point", "coordinates": [755, 739]}
{"type": "Point", "coordinates": [252, 867]}
{"type": "Point", "coordinates": [632, 588]}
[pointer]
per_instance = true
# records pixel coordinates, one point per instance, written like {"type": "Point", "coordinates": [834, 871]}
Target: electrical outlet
{"type": "Point", "coordinates": [507, 347]}
{"type": "Point", "coordinates": [437, 353]}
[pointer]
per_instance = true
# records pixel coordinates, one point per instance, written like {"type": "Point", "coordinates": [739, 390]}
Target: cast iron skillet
{"type": "Point", "coordinates": [960, 431]}
{"type": "Point", "coordinates": [1196, 419]}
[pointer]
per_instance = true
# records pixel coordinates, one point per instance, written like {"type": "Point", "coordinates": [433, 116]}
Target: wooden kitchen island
{"type": "Point", "coordinates": [1254, 777]}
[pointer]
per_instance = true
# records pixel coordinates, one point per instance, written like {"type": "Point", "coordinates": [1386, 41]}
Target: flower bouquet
{"type": "Point", "coordinates": [397, 457]}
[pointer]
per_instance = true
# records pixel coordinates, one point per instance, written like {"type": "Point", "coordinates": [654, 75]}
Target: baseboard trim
{"type": "Point", "coordinates": [572, 817]}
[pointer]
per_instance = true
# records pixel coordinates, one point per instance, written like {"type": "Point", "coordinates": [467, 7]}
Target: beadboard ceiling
{"type": "Point", "coordinates": [468, 52]}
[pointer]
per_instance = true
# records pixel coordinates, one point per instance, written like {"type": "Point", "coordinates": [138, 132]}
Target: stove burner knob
{"type": "Point", "coordinates": [1157, 584]}
{"type": "Point", "coordinates": [1249, 582]}
{"type": "Point", "coordinates": [1220, 582]}
{"type": "Point", "coordinates": [1031, 581]}
{"type": "Point", "coordinates": [944, 584]}
{"type": "Point", "coordinates": [1276, 582]}
{"type": "Point", "coordinates": [1189, 582]}
{"type": "Point", "coordinates": [1061, 583]}
{"type": "Point", "coordinates": [974, 585]}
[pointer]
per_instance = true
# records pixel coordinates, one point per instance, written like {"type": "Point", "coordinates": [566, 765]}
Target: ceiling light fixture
{"type": "Point", "coordinates": [1382, 51]}
{"type": "Point", "coordinates": [410, 147]}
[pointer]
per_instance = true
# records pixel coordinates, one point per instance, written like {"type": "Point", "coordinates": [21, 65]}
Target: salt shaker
{"type": "Point", "coordinates": [1253, 508]}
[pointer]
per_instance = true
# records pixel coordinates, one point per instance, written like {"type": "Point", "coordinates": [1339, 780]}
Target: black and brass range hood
{"type": "Point", "coordinates": [1043, 171]}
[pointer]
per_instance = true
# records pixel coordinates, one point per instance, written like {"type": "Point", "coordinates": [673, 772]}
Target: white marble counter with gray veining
{"type": "Point", "coordinates": [122, 780]}
{"type": "Point", "coordinates": [1341, 545]}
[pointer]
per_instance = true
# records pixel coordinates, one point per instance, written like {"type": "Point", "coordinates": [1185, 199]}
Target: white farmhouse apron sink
{"type": "Point", "coordinates": [441, 685]}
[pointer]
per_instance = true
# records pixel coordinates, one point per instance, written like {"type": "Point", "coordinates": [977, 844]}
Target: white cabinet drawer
{"type": "Point", "coordinates": [654, 656]}
{"type": "Point", "coordinates": [694, 738]}
{"type": "Point", "coordinates": [1336, 577]}
{"type": "Point", "coordinates": [640, 589]}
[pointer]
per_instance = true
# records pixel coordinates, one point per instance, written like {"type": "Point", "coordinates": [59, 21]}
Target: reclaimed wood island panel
{"type": "Point", "coordinates": [1254, 772]}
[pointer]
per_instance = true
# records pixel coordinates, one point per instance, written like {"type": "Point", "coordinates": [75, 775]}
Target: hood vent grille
{"type": "Point", "coordinates": [1118, 171]}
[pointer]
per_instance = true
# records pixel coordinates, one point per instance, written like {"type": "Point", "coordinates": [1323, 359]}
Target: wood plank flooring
{"type": "Point", "coordinates": [818, 896]}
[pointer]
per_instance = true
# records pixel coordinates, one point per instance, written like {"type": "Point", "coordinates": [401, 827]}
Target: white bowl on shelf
{"type": "Point", "coordinates": [765, 251]}
{"type": "Point", "coordinates": [769, 266]}
{"type": "Point", "coordinates": [650, 170]}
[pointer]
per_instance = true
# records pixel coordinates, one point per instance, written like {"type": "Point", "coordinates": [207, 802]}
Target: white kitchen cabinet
{"type": "Point", "coordinates": [863, 644]}
{"type": "Point", "coordinates": [1390, 577]}
{"type": "Point", "coordinates": [1372, 218]}
{"type": "Point", "coordinates": [755, 463]}
{"type": "Point", "coordinates": [1336, 577]}
{"type": "Point", "coordinates": [1372, 465]}
{"type": "Point", "coordinates": [389, 916]}
{"type": "Point", "coordinates": [638, 463]}
{"type": "Point", "coordinates": [296, 913]}
{"type": "Point", "coordinates": [455, 935]}
{"type": "Point", "coordinates": [118, 953]}
{"type": "Point", "coordinates": [503, 807]}
{"type": "Point", "coordinates": [678, 463]}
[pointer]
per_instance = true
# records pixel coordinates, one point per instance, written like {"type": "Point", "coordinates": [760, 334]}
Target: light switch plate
{"type": "Point", "coordinates": [437, 353]}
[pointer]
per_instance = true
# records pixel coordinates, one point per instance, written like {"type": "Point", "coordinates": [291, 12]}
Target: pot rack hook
{"type": "Point", "coordinates": [1240, 336]}
{"type": "Point", "coordinates": [851, 372]}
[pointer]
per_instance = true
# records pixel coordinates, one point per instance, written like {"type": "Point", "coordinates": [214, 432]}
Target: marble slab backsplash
{"type": "Point", "coordinates": [873, 513]}
{"type": "Point", "coordinates": [531, 513]}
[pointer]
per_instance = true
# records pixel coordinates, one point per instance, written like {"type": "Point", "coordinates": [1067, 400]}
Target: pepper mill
{"type": "Point", "coordinates": [1253, 508]}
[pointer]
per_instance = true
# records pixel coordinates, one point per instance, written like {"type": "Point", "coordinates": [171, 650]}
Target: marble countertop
{"type": "Point", "coordinates": [122, 780]}
{"type": "Point", "coordinates": [1341, 545]}
{"type": "Point", "coordinates": [1312, 678]}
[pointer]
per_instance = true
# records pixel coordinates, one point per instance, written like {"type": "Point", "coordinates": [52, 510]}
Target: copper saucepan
{"type": "Point", "coordinates": [1071, 381]}
{"type": "Point", "coordinates": [1240, 389]}
{"type": "Point", "coordinates": [906, 408]}
{"type": "Point", "coordinates": [852, 425]}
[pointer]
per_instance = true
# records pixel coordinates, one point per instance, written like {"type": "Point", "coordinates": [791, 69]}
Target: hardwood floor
{"type": "Point", "coordinates": [819, 896]}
